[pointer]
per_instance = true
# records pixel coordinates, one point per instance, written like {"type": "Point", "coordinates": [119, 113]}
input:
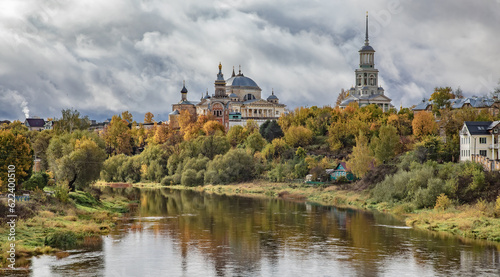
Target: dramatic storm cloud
{"type": "Point", "coordinates": [105, 57]}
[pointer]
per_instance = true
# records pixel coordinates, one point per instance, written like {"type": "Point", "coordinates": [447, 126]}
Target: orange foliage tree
{"type": "Point", "coordinates": [212, 126]}
{"type": "Point", "coordinates": [424, 124]}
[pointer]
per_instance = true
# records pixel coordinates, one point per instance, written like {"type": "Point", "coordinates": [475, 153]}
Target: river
{"type": "Point", "coordinates": [186, 233]}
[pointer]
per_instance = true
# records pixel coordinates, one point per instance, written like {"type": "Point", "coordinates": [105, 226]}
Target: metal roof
{"type": "Point", "coordinates": [475, 102]}
{"type": "Point", "coordinates": [478, 127]}
{"type": "Point", "coordinates": [367, 48]}
{"type": "Point", "coordinates": [35, 122]}
{"type": "Point", "coordinates": [241, 81]}
{"type": "Point", "coordinates": [272, 96]}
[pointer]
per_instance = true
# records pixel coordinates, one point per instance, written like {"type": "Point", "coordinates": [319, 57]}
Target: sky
{"type": "Point", "coordinates": [105, 57]}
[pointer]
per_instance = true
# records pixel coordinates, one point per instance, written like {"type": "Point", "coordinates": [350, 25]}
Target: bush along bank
{"type": "Point", "coordinates": [458, 198]}
{"type": "Point", "coordinates": [49, 223]}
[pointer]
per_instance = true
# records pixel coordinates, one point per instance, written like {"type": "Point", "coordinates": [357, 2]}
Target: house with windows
{"type": "Point", "coordinates": [35, 124]}
{"type": "Point", "coordinates": [492, 105]}
{"type": "Point", "coordinates": [479, 143]}
{"type": "Point", "coordinates": [341, 171]}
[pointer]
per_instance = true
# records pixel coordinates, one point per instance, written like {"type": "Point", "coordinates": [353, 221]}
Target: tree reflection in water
{"type": "Point", "coordinates": [186, 233]}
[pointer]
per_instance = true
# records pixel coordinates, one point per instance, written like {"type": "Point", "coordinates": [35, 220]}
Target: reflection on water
{"type": "Point", "coordinates": [185, 233]}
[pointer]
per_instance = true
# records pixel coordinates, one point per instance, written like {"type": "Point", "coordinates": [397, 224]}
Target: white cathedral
{"type": "Point", "coordinates": [367, 90]}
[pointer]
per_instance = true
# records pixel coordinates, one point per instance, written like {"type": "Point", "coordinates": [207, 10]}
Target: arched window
{"type": "Point", "coordinates": [249, 97]}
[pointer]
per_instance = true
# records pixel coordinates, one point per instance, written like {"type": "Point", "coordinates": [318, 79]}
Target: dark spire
{"type": "Point", "coordinates": [239, 74]}
{"type": "Point", "coordinates": [366, 37]}
{"type": "Point", "coordinates": [233, 72]}
{"type": "Point", "coordinates": [184, 89]}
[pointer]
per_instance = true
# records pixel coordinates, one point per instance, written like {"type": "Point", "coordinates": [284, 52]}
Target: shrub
{"type": "Point", "coordinates": [62, 240]}
{"type": "Point", "coordinates": [38, 180]}
{"type": "Point", "coordinates": [234, 166]}
{"type": "Point", "coordinates": [189, 178]}
{"type": "Point", "coordinates": [442, 202]}
{"type": "Point", "coordinates": [61, 192]}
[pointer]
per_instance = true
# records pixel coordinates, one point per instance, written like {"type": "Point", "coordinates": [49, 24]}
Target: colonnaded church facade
{"type": "Point", "coordinates": [367, 90]}
{"type": "Point", "coordinates": [235, 101]}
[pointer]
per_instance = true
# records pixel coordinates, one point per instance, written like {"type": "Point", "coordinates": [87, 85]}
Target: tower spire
{"type": "Point", "coordinates": [366, 37]}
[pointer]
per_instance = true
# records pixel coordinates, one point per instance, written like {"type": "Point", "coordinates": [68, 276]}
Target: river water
{"type": "Point", "coordinates": [186, 233]}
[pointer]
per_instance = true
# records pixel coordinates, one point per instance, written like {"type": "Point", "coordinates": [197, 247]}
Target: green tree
{"type": "Point", "coordinates": [71, 120]}
{"type": "Point", "coordinates": [76, 158]}
{"type": "Point", "coordinates": [360, 160]}
{"type": "Point", "coordinates": [255, 142]}
{"type": "Point", "coordinates": [235, 166]}
{"type": "Point", "coordinates": [386, 144]}
{"type": "Point", "coordinates": [14, 150]}
{"type": "Point", "coordinates": [40, 145]}
{"type": "Point", "coordinates": [271, 130]}
{"type": "Point", "coordinates": [210, 146]}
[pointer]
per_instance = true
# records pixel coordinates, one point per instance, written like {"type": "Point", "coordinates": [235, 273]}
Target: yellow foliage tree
{"type": "Point", "coordinates": [118, 137]}
{"type": "Point", "coordinates": [148, 117]}
{"type": "Point", "coordinates": [161, 134]}
{"type": "Point", "coordinates": [298, 136]}
{"type": "Point", "coordinates": [424, 124]}
{"type": "Point", "coordinates": [360, 160]}
{"type": "Point", "coordinates": [212, 126]}
{"type": "Point", "coordinates": [14, 151]}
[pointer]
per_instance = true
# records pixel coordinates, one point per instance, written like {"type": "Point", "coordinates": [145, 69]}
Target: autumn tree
{"type": "Point", "coordinates": [117, 136]}
{"type": "Point", "coordinates": [298, 136]}
{"type": "Point", "coordinates": [71, 120]}
{"type": "Point", "coordinates": [423, 124]}
{"type": "Point", "coordinates": [148, 117]}
{"type": "Point", "coordinates": [251, 126]}
{"type": "Point", "coordinates": [212, 127]}
{"type": "Point", "coordinates": [162, 132]}
{"type": "Point", "coordinates": [14, 150]}
{"type": "Point", "coordinates": [236, 135]}
{"type": "Point", "coordinates": [360, 160]}
{"type": "Point", "coordinates": [16, 127]}
{"type": "Point", "coordinates": [342, 96]}
{"type": "Point", "coordinates": [440, 98]}
{"type": "Point", "coordinates": [127, 116]}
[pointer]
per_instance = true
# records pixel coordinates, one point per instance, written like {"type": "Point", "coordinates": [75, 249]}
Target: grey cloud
{"type": "Point", "coordinates": [106, 57]}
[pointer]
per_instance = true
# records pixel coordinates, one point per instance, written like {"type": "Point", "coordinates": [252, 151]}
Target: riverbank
{"type": "Point", "coordinates": [47, 224]}
{"type": "Point", "coordinates": [477, 221]}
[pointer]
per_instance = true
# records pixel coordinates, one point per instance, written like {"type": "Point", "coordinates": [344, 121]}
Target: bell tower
{"type": "Point", "coordinates": [220, 84]}
{"type": "Point", "coordinates": [367, 75]}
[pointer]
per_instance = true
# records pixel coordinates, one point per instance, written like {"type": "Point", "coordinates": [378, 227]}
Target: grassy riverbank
{"type": "Point", "coordinates": [46, 224]}
{"type": "Point", "coordinates": [477, 221]}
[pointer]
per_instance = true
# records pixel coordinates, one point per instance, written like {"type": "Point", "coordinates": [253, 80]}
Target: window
{"type": "Point", "coordinates": [482, 140]}
{"type": "Point", "coordinates": [482, 153]}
